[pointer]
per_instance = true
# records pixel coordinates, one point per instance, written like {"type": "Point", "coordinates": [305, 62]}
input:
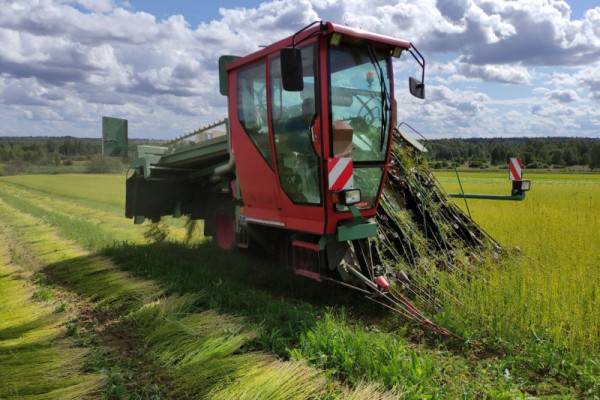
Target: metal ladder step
{"type": "Point", "coordinates": [306, 259]}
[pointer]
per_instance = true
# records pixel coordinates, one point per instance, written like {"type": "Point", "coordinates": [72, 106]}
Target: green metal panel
{"type": "Point", "coordinates": [144, 149]}
{"type": "Point", "coordinates": [356, 231]}
{"type": "Point", "coordinates": [196, 153]}
{"type": "Point", "coordinates": [114, 137]}
{"type": "Point", "coordinates": [179, 157]}
{"type": "Point", "coordinates": [516, 197]}
{"type": "Point", "coordinates": [223, 61]}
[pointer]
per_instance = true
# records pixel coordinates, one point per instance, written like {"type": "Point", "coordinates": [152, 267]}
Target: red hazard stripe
{"type": "Point", "coordinates": [513, 171]}
{"type": "Point", "coordinates": [340, 173]}
{"type": "Point", "coordinates": [341, 181]}
{"type": "Point", "coordinates": [332, 163]}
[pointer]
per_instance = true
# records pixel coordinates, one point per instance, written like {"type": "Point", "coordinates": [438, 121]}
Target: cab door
{"type": "Point", "coordinates": [251, 144]}
{"type": "Point", "coordinates": [295, 124]}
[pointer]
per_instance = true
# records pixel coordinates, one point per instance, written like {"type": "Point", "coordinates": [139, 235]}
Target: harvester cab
{"type": "Point", "coordinates": [310, 121]}
{"type": "Point", "coordinates": [302, 160]}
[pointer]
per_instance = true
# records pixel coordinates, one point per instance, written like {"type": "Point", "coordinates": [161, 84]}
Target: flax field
{"type": "Point", "coordinates": [93, 307]}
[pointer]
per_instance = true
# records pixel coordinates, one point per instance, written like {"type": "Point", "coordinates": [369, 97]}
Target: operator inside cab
{"type": "Point", "coordinates": [298, 165]}
{"type": "Point", "coordinates": [292, 114]}
{"type": "Point", "coordinates": [298, 128]}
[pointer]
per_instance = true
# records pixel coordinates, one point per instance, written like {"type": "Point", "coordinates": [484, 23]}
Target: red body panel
{"type": "Point", "coordinates": [334, 217]}
{"type": "Point", "coordinates": [360, 34]}
{"type": "Point", "coordinates": [258, 183]}
{"type": "Point", "coordinates": [298, 217]}
{"type": "Point", "coordinates": [330, 28]}
{"type": "Point", "coordinates": [264, 200]}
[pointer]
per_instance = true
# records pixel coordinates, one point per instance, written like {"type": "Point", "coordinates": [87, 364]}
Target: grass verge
{"type": "Point", "coordinates": [284, 324]}
{"type": "Point", "coordinates": [37, 361]}
{"type": "Point", "coordinates": [185, 342]}
{"type": "Point", "coordinates": [242, 286]}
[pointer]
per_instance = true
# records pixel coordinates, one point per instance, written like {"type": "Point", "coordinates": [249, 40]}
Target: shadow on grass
{"type": "Point", "coordinates": [244, 284]}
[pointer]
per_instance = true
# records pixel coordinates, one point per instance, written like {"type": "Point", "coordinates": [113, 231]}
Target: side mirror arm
{"type": "Point", "coordinates": [291, 60]}
{"type": "Point", "coordinates": [417, 88]}
{"type": "Point", "coordinates": [321, 25]}
{"type": "Point", "coordinates": [419, 59]}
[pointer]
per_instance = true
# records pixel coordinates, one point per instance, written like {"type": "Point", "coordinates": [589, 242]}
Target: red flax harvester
{"type": "Point", "coordinates": [300, 164]}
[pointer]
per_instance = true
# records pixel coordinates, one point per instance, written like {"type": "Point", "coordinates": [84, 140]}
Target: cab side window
{"type": "Point", "coordinates": [252, 106]}
{"type": "Point", "coordinates": [293, 115]}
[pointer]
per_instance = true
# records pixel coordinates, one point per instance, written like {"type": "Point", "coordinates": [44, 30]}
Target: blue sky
{"type": "Point", "coordinates": [195, 12]}
{"type": "Point", "coordinates": [496, 67]}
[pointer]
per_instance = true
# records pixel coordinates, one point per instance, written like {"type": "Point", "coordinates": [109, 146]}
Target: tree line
{"type": "Point", "coordinates": [60, 154]}
{"type": "Point", "coordinates": [47, 150]}
{"type": "Point", "coordinates": [443, 153]}
{"type": "Point", "coordinates": [534, 152]}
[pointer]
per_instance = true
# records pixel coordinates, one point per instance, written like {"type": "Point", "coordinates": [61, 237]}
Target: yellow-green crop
{"type": "Point", "coordinates": [109, 189]}
{"type": "Point", "coordinates": [548, 296]}
{"type": "Point", "coordinates": [552, 290]}
{"type": "Point", "coordinates": [36, 361]}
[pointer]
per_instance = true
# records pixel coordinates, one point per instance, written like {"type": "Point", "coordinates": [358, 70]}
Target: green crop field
{"type": "Point", "coordinates": [555, 287]}
{"type": "Point", "coordinates": [139, 319]}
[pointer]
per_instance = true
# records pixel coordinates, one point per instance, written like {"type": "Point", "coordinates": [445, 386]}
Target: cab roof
{"type": "Point", "coordinates": [326, 28]}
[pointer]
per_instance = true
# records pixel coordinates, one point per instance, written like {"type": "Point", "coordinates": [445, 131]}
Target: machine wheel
{"type": "Point", "coordinates": [225, 231]}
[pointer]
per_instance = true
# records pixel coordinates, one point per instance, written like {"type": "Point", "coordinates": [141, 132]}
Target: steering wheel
{"type": "Point", "coordinates": [366, 112]}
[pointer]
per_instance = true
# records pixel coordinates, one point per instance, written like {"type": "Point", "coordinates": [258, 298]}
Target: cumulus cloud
{"type": "Point", "coordinates": [514, 74]}
{"type": "Point", "coordinates": [590, 78]}
{"type": "Point", "coordinates": [453, 9]}
{"type": "Point", "coordinates": [563, 96]}
{"type": "Point", "coordinates": [26, 92]}
{"type": "Point", "coordinates": [445, 112]}
{"type": "Point", "coordinates": [96, 5]}
{"type": "Point", "coordinates": [543, 34]}
{"type": "Point", "coordinates": [467, 103]}
{"type": "Point", "coordinates": [74, 60]}
{"type": "Point", "coordinates": [563, 80]}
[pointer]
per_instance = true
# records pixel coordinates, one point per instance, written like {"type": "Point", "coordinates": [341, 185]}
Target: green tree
{"type": "Point", "coordinates": [498, 155]}
{"type": "Point", "coordinates": [50, 146]}
{"type": "Point", "coordinates": [557, 157]}
{"type": "Point", "coordinates": [528, 158]}
{"type": "Point", "coordinates": [569, 156]}
{"type": "Point", "coordinates": [595, 156]}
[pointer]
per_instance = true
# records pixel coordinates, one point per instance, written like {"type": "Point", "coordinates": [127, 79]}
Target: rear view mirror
{"type": "Point", "coordinates": [417, 88]}
{"type": "Point", "coordinates": [291, 69]}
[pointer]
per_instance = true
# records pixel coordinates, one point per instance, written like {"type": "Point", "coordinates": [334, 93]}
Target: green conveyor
{"type": "Point", "coordinates": [178, 177]}
{"type": "Point", "coordinates": [207, 153]}
{"type": "Point", "coordinates": [179, 157]}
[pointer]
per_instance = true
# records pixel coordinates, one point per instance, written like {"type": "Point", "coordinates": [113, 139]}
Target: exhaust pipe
{"type": "Point", "coordinates": [223, 170]}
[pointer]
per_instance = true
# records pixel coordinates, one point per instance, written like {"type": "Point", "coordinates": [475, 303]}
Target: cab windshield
{"type": "Point", "coordinates": [360, 100]}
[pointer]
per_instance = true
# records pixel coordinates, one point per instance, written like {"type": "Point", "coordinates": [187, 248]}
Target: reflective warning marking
{"type": "Point", "coordinates": [340, 173]}
{"type": "Point", "coordinates": [515, 167]}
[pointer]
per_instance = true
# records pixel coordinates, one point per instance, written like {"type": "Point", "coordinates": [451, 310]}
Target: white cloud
{"type": "Point", "coordinates": [563, 80]}
{"type": "Point", "coordinates": [534, 32]}
{"type": "Point", "coordinates": [97, 5]}
{"type": "Point", "coordinates": [590, 78]}
{"type": "Point", "coordinates": [563, 95]}
{"type": "Point", "coordinates": [453, 9]}
{"type": "Point", "coordinates": [79, 59]}
{"type": "Point", "coordinates": [514, 74]}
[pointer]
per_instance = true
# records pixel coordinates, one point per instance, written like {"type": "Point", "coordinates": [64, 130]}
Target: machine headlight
{"type": "Point", "coordinates": [349, 197]}
{"type": "Point", "coordinates": [520, 187]}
